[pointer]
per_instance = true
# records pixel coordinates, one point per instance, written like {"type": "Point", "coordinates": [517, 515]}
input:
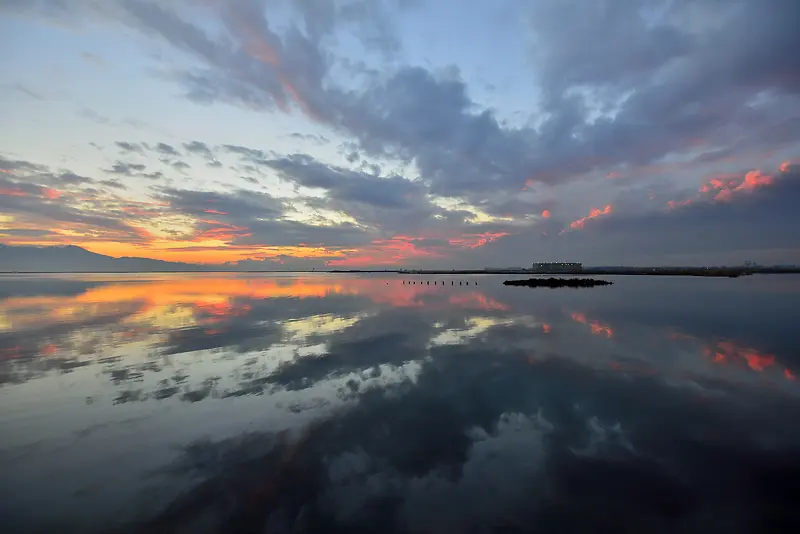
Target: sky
{"type": "Point", "coordinates": [403, 133]}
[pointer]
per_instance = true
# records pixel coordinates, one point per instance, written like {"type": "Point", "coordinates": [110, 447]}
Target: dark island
{"type": "Point", "coordinates": [558, 282]}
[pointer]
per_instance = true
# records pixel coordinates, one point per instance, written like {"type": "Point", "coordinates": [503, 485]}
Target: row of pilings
{"type": "Point", "coordinates": [436, 282]}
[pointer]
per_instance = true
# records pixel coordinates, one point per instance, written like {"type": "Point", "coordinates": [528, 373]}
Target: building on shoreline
{"type": "Point", "coordinates": [551, 267]}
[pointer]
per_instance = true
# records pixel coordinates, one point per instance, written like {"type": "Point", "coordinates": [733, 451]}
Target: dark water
{"type": "Point", "coordinates": [340, 403]}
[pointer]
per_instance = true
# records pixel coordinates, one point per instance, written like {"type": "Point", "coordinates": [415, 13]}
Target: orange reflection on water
{"type": "Point", "coordinates": [717, 352]}
{"type": "Point", "coordinates": [728, 350]}
{"type": "Point", "coordinates": [9, 353]}
{"type": "Point", "coordinates": [476, 300]}
{"type": "Point", "coordinates": [159, 300]}
{"type": "Point", "coordinates": [175, 302]}
{"type": "Point", "coordinates": [598, 328]}
{"type": "Point", "coordinates": [758, 362]}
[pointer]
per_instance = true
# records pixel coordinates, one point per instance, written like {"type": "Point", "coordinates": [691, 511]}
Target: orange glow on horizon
{"type": "Point", "coordinates": [546, 214]}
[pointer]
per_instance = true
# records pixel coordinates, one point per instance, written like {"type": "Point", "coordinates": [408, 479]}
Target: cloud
{"type": "Point", "coordinates": [199, 148]}
{"type": "Point", "coordinates": [723, 188]}
{"type": "Point", "coordinates": [70, 178]}
{"type": "Point", "coordinates": [253, 219]}
{"type": "Point", "coordinates": [165, 149]}
{"type": "Point", "coordinates": [594, 213]}
{"type": "Point", "coordinates": [130, 147]}
{"type": "Point", "coordinates": [755, 224]}
{"type": "Point", "coordinates": [35, 207]}
{"type": "Point", "coordinates": [252, 154]}
{"type": "Point", "coordinates": [127, 169]}
{"type": "Point", "coordinates": [674, 93]}
{"type": "Point", "coordinates": [348, 186]}
{"type": "Point", "coordinates": [116, 184]}
{"type": "Point", "coordinates": [180, 165]}
{"type": "Point", "coordinates": [12, 166]}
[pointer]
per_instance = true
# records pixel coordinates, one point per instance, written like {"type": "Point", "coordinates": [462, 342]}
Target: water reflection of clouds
{"type": "Point", "coordinates": [408, 402]}
{"type": "Point", "coordinates": [135, 324]}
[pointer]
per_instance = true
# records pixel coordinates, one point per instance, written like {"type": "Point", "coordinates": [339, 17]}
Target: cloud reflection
{"type": "Point", "coordinates": [395, 404]}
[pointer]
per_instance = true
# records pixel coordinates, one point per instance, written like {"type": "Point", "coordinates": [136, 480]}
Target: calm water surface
{"type": "Point", "coordinates": [342, 403]}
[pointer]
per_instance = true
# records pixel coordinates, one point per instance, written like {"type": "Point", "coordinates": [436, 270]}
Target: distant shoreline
{"type": "Point", "coordinates": [729, 272]}
{"type": "Point", "coordinates": [553, 283]}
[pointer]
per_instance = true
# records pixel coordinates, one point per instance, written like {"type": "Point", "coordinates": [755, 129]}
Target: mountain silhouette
{"type": "Point", "coordinates": [72, 258]}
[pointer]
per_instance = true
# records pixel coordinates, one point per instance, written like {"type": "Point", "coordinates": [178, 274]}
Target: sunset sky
{"type": "Point", "coordinates": [431, 133]}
